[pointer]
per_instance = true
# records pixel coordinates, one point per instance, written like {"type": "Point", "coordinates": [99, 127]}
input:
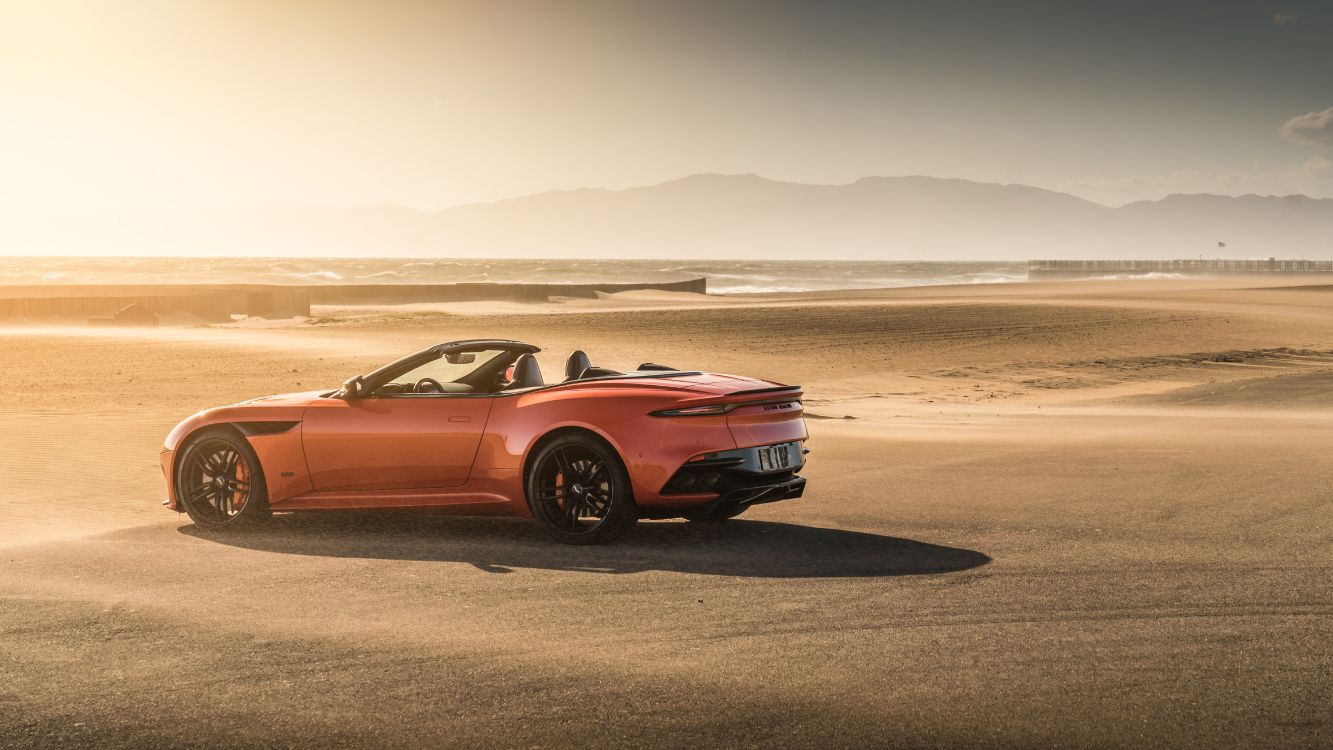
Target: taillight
{"type": "Point", "coordinates": [771, 404]}
{"type": "Point", "coordinates": [695, 411]}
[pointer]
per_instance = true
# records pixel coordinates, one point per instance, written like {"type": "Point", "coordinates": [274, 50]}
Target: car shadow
{"type": "Point", "coordinates": [758, 549]}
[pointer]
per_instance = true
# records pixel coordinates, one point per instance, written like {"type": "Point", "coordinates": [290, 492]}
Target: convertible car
{"type": "Point", "coordinates": [472, 427]}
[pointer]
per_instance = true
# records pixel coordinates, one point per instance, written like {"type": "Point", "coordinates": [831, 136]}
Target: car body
{"type": "Point", "coordinates": [691, 444]}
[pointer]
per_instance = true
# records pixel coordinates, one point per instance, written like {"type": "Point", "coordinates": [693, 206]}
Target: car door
{"type": "Point", "coordinates": [393, 442]}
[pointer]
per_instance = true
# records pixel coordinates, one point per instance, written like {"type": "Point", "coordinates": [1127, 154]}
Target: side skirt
{"type": "Point", "coordinates": [466, 502]}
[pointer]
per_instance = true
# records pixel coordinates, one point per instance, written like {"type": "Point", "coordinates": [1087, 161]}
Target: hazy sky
{"type": "Point", "coordinates": [175, 103]}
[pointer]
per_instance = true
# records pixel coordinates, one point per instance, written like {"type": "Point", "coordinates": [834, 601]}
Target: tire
{"type": "Point", "coordinates": [717, 514]}
{"type": "Point", "coordinates": [219, 481]}
{"type": "Point", "coordinates": [578, 490]}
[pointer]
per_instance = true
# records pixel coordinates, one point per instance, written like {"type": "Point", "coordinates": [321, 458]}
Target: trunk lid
{"type": "Point", "coordinates": [766, 416]}
{"type": "Point", "coordinates": [760, 412]}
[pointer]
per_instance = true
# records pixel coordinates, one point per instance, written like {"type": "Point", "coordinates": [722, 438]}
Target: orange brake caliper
{"type": "Point", "coordinates": [238, 497]}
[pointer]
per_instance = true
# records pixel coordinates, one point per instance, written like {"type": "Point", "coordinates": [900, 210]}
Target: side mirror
{"type": "Point", "coordinates": [354, 388]}
{"type": "Point", "coordinates": [460, 358]}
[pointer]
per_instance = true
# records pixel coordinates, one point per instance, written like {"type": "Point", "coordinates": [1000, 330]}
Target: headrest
{"type": "Point", "coordinates": [526, 373]}
{"type": "Point", "coordinates": [576, 364]}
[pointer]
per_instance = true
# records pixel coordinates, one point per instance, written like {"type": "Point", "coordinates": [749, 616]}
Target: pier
{"type": "Point", "coordinates": [218, 303]}
{"type": "Point", "coordinates": [1083, 269]}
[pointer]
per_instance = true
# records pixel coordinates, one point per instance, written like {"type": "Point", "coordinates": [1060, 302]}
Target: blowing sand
{"type": "Point", "coordinates": [1076, 514]}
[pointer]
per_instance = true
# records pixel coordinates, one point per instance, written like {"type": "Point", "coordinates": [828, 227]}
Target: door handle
{"type": "Point", "coordinates": [460, 419]}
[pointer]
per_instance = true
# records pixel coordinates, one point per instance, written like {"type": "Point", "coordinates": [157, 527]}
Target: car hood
{"type": "Point", "coordinates": [284, 399]}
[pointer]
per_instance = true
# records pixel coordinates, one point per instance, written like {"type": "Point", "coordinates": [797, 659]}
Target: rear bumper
{"type": "Point", "coordinates": [787, 489]}
{"type": "Point", "coordinates": [726, 480]}
{"type": "Point", "coordinates": [733, 473]}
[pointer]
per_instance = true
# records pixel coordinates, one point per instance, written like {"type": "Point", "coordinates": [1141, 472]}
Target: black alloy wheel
{"type": "Point", "coordinates": [219, 481]}
{"type": "Point", "coordinates": [579, 491]}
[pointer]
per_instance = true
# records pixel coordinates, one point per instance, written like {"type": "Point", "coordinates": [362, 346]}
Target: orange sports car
{"type": "Point", "coordinates": [472, 427]}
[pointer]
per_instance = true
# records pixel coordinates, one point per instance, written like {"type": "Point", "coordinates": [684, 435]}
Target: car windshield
{"type": "Point", "coordinates": [451, 368]}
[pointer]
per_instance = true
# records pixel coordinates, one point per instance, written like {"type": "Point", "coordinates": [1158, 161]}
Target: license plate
{"type": "Point", "coordinates": [774, 458]}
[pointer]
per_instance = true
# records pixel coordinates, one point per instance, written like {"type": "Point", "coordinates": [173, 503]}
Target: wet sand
{"type": "Point", "coordinates": [1075, 514]}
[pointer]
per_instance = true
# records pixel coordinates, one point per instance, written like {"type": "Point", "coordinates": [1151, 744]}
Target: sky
{"type": "Point", "coordinates": [114, 105]}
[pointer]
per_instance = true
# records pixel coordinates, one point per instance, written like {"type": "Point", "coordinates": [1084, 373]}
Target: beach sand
{"type": "Point", "coordinates": [1075, 514]}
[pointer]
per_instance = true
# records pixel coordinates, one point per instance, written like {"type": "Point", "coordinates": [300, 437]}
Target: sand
{"type": "Point", "coordinates": [1075, 514]}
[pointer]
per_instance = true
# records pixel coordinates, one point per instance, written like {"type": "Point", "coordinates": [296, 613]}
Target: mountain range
{"type": "Point", "coordinates": [723, 216]}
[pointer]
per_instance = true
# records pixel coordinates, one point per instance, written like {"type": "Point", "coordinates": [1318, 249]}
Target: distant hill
{"type": "Point", "coordinates": [1188, 225]}
{"type": "Point", "coordinates": [728, 216]}
{"type": "Point", "coordinates": [748, 216]}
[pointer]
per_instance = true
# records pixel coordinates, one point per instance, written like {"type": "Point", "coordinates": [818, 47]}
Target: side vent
{"type": "Point", "coordinates": [264, 428]}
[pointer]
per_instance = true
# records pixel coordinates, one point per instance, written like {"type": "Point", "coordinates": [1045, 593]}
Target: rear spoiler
{"type": "Point", "coordinates": [722, 404]}
{"type": "Point", "coordinates": [774, 389]}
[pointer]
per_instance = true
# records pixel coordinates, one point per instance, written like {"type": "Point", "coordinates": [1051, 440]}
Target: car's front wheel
{"type": "Point", "coordinates": [219, 481]}
{"type": "Point", "coordinates": [579, 491]}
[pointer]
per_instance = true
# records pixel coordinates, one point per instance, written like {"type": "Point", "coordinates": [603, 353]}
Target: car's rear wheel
{"type": "Point", "coordinates": [219, 481]}
{"type": "Point", "coordinates": [579, 491]}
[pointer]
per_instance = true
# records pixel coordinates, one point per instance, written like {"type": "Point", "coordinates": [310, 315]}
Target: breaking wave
{"type": "Point", "coordinates": [1135, 276]}
{"type": "Point", "coordinates": [725, 276]}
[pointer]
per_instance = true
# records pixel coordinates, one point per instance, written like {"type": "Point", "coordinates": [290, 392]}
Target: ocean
{"type": "Point", "coordinates": [724, 276]}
